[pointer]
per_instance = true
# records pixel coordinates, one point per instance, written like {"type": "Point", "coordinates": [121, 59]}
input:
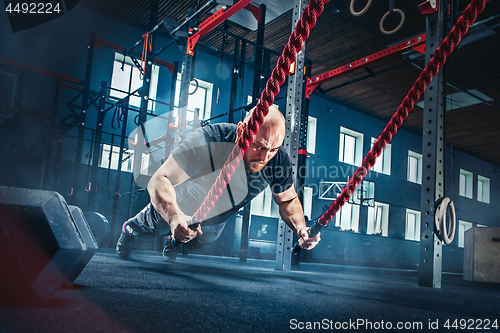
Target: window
{"type": "Point", "coordinates": [308, 194]}
{"type": "Point", "coordinates": [465, 184]}
{"type": "Point", "coordinates": [200, 98]}
{"type": "Point", "coordinates": [383, 163]}
{"type": "Point", "coordinates": [483, 189]}
{"type": "Point", "coordinates": [414, 173]}
{"type": "Point", "coordinates": [378, 219]}
{"type": "Point", "coordinates": [412, 231]}
{"type": "Point", "coordinates": [110, 154]}
{"type": "Point", "coordinates": [127, 78]}
{"type": "Point", "coordinates": [351, 146]}
{"type": "Point", "coordinates": [462, 228]}
{"type": "Point", "coordinates": [348, 217]}
{"type": "Point", "coordinates": [264, 205]}
{"type": "Point", "coordinates": [311, 135]}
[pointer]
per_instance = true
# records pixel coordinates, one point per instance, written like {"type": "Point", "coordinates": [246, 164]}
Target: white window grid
{"type": "Point", "coordinates": [200, 98]}
{"type": "Point", "coordinates": [127, 78]}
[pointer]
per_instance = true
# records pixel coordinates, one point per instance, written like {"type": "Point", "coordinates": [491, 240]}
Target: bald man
{"type": "Point", "coordinates": [181, 184]}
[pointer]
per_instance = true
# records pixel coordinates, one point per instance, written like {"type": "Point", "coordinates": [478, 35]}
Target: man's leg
{"type": "Point", "coordinates": [147, 223]}
{"type": "Point", "coordinates": [210, 234]}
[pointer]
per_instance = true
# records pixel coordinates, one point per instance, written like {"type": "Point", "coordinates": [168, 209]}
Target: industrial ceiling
{"type": "Point", "coordinates": [473, 71]}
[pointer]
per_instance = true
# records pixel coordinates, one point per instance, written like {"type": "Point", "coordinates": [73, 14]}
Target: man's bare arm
{"type": "Point", "coordinates": [291, 212]}
{"type": "Point", "coordinates": [164, 200]}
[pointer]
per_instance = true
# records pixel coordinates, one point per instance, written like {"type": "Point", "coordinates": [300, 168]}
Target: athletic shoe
{"type": "Point", "coordinates": [170, 250]}
{"type": "Point", "coordinates": [125, 243]}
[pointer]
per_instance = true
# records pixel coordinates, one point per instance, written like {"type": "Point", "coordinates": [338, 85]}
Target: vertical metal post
{"type": "Point", "coordinates": [234, 80]}
{"type": "Point", "coordinates": [49, 170]}
{"type": "Point", "coordinates": [186, 76]}
{"type": "Point", "coordinates": [430, 263]}
{"type": "Point", "coordinates": [169, 138]}
{"type": "Point", "coordinates": [302, 157]}
{"type": "Point", "coordinates": [304, 121]}
{"type": "Point", "coordinates": [83, 117]}
{"type": "Point", "coordinates": [266, 66]}
{"type": "Point", "coordinates": [96, 155]}
{"type": "Point", "coordinates": [116, 196]}
{"type": "Point", "coordinates": [186, 70]}
{"type": "Point", "coordinates": [143, 111]}
{"type": "Point", "coordinates": [293, 117]}
{"type": "Point", "coordinates": [243, 56]}
{"type": "Point", "coordinates": [57, 159]}
{"type": "Point", "coordinates": [257, 59]}
{"type": "Point", "coordinates": [245, 232]}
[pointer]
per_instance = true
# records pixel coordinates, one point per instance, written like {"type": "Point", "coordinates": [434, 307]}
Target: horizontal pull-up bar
{"type": "Point", "coordinates": [101, 42]}
{"type": "Point", "coordinates": [214, 20]}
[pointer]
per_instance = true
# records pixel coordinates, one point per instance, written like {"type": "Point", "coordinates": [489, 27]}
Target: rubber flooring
{"type": "Point", "coordinates": [217, 294]}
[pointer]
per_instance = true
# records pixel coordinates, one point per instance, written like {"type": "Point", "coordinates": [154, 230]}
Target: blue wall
{"type": "Point", "coordinates": [61, 46]}
{"type": "Point", "coordinates": [393, 189]}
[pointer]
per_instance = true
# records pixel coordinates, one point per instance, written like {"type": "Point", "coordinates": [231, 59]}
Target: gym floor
{"type": "Point", "coordinates": [217, 294]}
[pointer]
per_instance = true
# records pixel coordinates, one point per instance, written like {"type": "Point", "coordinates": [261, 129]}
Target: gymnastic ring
{"type": "Point", "coordinates": [381, 26]}
{"type": "Point", "coordinates": [443, 234]}
{"type": "Point", "coordinates": [196, 88]}
{"type": "Point", "coordinates": [361, 12]}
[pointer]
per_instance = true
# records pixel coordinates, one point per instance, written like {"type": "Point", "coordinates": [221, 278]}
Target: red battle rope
{"type": "Point", "coordinates": [294, 45]}
{"type": "Point", "coordinates": [438, 59]}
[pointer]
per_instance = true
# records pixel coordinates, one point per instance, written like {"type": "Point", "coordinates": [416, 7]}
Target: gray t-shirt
{"type": "Point", "coordinates": [203, 154]}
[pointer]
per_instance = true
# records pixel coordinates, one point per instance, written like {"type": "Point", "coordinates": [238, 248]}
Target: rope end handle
{"type": "Point", "coordinates": [313, 231]}
{"type": "Point", "coordinates": [171, 243]}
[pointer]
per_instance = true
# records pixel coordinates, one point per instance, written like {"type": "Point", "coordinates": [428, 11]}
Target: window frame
{"type": "Point", "coordinates": [312, 127]}
{"type": "Point", "coordinates": [383, 162]}
{"type": "Point", "coordinates": [207, 109]}
{"type": "Point", "coordinates": [357, 150]}
{"type": "Point", "coordinates": [483, 189]}
{"type": "Point", "coordinates": [372, 219]}
{"type": "Point", "coordinates": [348, 212]}
{"type": "Point", "coordinates": [418, 173]}
{"type": "Point", "coordinates": [416, 227]}
{"type": "Point", "coordinates": [127, 164]}
{"type": "Point", "coordinates": [135, 100]}
{"type": "Point", "coordinates": [264, 205]}
{"type": "Point", "coordinates": [463, 226]}
{"type": "Point", "coordinates": [465, 184]}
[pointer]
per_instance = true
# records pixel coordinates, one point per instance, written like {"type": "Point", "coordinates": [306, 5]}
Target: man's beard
{"type": "Point", "coordinates": [255, 166]}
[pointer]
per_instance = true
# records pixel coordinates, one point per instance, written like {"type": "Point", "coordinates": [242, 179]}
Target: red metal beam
{"type": "Point", "coordinates": [428, 7]}
{"type": "Point", "coordinates": [217, 18]}
{"type": "Point", "coordinates": [101, 42]}
{"type": "Point", "coordinates": [40, 70]}
{"type": "Point", "coordinates": [412, 43]}
{"type": "Point", "coordinates": [255, 10]}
